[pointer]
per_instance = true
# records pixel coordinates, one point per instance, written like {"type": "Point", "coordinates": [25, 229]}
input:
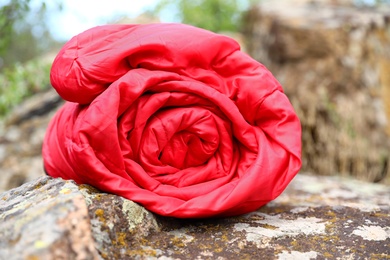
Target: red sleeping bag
{"type": "Point", "coordinates": [173, 117]}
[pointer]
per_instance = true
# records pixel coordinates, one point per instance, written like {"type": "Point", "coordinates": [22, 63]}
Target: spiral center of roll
{"type": "Point", "coordinates": [186, 149]}
{"type": "Point", "coordinates": [185, 137]}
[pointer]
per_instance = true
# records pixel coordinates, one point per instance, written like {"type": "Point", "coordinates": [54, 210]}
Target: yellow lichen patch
{"type": "Point", "coordinates": [142, 252]}
{"type": "Point", "coordinates": [98, 197]}
{"type": "Point", "coordinates": [381, 215]}
{"type": "Point", "coordinates": [205, 246]}
{"type": "Point", "coordinates": [257, 217]}
{"type": "Point", "coordinates": [65, 191]}
{"type": "Point", "coordinates": [88, 188]}
{"type": "Point", "coordinates": [328, 255]}
{"type": "Point", "coordinates": [40, 244]}
{"type": "Point", "coordinates": [121, 239]}
{"type": "Point", "coordinates": [330, 214]}
{"type": "Point", "coordinates": [380, 256]}
{"type": "Point", "coordinates": [143, 241]}
{"type": "Point", "coordinates": [331, 227]}
{"type": "Point", "coordinates": [209, 228]}
{"type": "Point", "coordinates": [321, 244]}
{"type": "Point", "coordinates": [177, 242]}
{"type": "Point", "coordinates": [224, 238]}
{"type": "Point", "coordinates": [331, 238]}
{"type": "Point", "coordinates": [278, 210]}
{"type": "Point", "coordinates": [32, 257]}
{"type": "Point", "coordinates": [38, 186]}
{"type": "Point", "coordinates": [326, 239]}
{"type": "Point", "coordinates": [218, 250]}
{"type": "Point", "coordinates": [295, 244]}
{"type": "Point", "coordinates": [267, 226]}
{"type": "Point", "coordinates": [100, 214]}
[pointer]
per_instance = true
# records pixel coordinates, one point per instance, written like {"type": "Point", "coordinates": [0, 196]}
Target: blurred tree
{"type": "Point", "coordinates": [23, 31]}
{"type": "Point", "coordinates": [214, 15]}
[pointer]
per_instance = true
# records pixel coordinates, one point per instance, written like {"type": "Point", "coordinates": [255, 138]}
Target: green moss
{"type": "Point", "coordinates": [22, 81]}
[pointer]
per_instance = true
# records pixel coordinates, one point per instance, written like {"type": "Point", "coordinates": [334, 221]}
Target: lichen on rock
{"type": "Point", "coordinates": [45, 219]}
{"type": "Point", "coordinates": [315, 218]}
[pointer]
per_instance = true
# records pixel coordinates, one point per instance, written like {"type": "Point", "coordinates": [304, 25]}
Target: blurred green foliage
{"type": "Point", "coordinates": [213, 15]}
{"type": "Point", "coordinates": [22, 81]}
{"type": "Point", "coordinates": [10, 13]}
{"type": "Point", "coordinates": [24, 33]}
{"type": "Point", "coordinates": [24, 37]}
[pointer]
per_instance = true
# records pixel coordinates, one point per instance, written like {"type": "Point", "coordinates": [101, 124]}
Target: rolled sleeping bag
{"type": "Point", "coordinates": [173, 117]}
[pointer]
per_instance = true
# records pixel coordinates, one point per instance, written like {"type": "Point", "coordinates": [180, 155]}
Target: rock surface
{"type": "Point", "coordinates": [45, 219]}
{"type": "Point", "coordinates": [333, 60]}
{"type": "Point", "coordinates": [21, 136]}
{"type": "Point", "coordinates": [315, 218]}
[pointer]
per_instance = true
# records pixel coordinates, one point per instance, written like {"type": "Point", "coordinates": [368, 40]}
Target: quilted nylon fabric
{"type": "Point", "coordinates": [173, 117]}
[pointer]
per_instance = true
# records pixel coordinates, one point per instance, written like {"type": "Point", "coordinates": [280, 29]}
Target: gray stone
{"type": "Point", "coordinates": [117, 223]}
{"type": "Point", "coordinates": [36, 106]}
{"type": "Point", "coordinates": [315, 218]}
{"type": "Point", "coordinates": [21, 137]}
{"type": "Point", "coordinates": [45, 219]}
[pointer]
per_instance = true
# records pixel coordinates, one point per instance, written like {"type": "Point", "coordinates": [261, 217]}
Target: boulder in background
{"type": "Point", "coordinates": [333, 61]}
